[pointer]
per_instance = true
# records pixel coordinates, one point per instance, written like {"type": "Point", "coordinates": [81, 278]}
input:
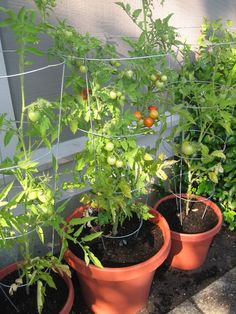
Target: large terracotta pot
{"type": "Point", "coordinates": [189, 251]}
{"type": "Point", "coordinates": [119, 290]}
{"type": "Point", "coordinates": [70, 298]}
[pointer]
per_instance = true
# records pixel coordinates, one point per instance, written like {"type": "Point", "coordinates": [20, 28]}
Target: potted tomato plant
{"type": "Point", "coordinates": [112, 102]}
{"type": "Point", "coordinates": [117, 171]}
{"type": "Point", "coordinates": [205, 109]}
{"type": "Point", "coordinates": [27, 201]}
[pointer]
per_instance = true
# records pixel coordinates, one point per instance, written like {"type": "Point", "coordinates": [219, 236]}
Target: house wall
{"type": "Point", "coordinates": [107, 21]}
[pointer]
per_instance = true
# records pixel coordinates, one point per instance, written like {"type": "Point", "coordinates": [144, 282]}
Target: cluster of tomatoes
{"type": "Point", "coordinates": [149, 120]}
{"type": "Point", "coordinates": [111, 159]}
{"type": "Point", "coordinates": [159, 79]}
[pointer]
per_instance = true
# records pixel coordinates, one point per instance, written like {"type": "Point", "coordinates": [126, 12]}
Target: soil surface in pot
{"type": "Point", "coordinates": [193, 222]}
{"type": "Point", "coordinates": [126, 251]}
{"type": "Point", "coordinates": [27, 304]}
{"type": "Point", "coordinates": [171, 287]}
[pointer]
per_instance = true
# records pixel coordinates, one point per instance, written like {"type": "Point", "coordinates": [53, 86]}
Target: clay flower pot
{"type": "Point", "coordinates": [119, 290]}
{"type": "Point", "coordinates": [70, 298]}
{"type": "Point", "coordinates": [189, 251]}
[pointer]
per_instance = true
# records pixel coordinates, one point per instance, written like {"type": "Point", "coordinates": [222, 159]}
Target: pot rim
{"type": "Point", "coordinates": [195, 236]}
{"type": "Point", "coordinates": [8, 269]}
{"type": "Point", "coordinates": [130, 272]}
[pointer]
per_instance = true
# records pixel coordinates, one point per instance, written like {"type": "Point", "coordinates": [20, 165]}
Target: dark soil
{"type": "Point", "coordinates": [27, 304]}
{"type": "Point", "coordinates": [200, 218]}
{"type": "Point", "coordinates": [172, 287]}
{"type": "Point", "coordinates": [127, 251]}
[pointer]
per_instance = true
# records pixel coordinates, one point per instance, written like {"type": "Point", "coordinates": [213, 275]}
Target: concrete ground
{"type": "Point", "coordinates": [217, 298]}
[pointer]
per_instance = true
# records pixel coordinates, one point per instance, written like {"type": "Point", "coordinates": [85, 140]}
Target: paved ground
{"type": "Point", "coordinates": [218, 298]}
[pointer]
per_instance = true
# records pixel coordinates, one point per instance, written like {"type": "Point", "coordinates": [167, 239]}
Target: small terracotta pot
{"type": "Point", "coordinates": [70, 298]}
{"type": "Point", "coordinates": [189, 251]}
{"type": "Point", "coordinates": [119, 290]}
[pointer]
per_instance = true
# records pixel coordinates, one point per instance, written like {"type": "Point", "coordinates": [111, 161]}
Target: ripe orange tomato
{"type": "Point", "coordinates": [153, 114]}
{"type": "Point", "coordinates": [148, 122]}
{"type": "Point", "coordinates": [138, 115]}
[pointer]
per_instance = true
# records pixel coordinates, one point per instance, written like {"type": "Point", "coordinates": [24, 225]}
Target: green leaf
{"type": "Point", "coordinates": [73, 124]}
{"type": "Point", "coordinates": [136, 13]}
{"type": "Point", "coordinates": [80, 164]}
{"type": "Point", "coordinates": [78, 232]}
{"type": "Point", "coordinates": [86, 258]}
{"type": "Point", "coordinates": [8, 136]}
{"type": "Point", "coordinates": [54, 163]}
{"type": "Point", "coordinates": [95, 260]}
{"type": "Point", "coordinates": [5, 191]}
{"type": "Point", "coordinates": [213, 177]}
{"type": "Point", "coordinates": [40, 233]}
{"type": "Point", "coordinates": [5, 23]}
{"type": "Point", "coordinates": [48, 279]}
{"type": "Point", "coordinates": [125, 188]}
{"type": "Point", "coordinates": [161, 174]}
{"type": "Point", "coordinates": [35, 51]}
{"type": "Point", "coordinates": [40, 296]}
{"type": "Point", "coordinates": [219, 154]}
{"type": "Point", "coordinates": [81, 221]}
{"type": "Point", "coordinates": [91, 236]}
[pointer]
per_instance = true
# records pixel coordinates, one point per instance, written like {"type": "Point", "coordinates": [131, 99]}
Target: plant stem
{"type": "Point", "coordinates": [145, 18]}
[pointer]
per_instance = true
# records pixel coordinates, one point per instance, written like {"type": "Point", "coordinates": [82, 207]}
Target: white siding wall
{"type": "Point", "coordinates": [103, 18]}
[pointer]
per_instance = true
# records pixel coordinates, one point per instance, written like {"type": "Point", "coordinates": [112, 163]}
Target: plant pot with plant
{"type": "Point", "coordinates": [116, 169]}
{"type": "Point", "coordinates": [27, 200]}
{"type": "Point", "coordinates": [205, 111]}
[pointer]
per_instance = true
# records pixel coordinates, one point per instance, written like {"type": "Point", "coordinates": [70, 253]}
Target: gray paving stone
{"type": "Point", "coordinates": [185, 308]}
{"type": "Point", "coordinates": [219, 297]}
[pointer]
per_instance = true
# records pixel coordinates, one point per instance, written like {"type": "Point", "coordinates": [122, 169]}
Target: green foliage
{"type": "Point", "coordinates": [27, 201]}
{"type": "Point", "coordinates": [205, 100]}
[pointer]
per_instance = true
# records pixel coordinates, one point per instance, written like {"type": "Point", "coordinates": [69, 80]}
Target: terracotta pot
{"type": "Point", "coordinates": [189, 251]}
{"type": "Point", "coordinates": [70, 298]}
{"type": "Point", "coordinates": [119, 290]}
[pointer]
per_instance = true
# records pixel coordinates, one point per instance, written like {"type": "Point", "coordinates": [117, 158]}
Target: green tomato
{"type": "Point", "coordinates": [129, 74]}
{"type": "Point", "coordinates": [117, 64]}
{"type": "Point", "coordinates": [109, 147]}
{"type": "Point", "coordinates": [119, 94]}
{"type": "Point", "coordinates": [34, 115]}
{"type": "Point", "coordinates": [68, 34]}
{"type": "Point", "coordinates": [119, 164]}
{"type": "Point", "coordinates": [83, 69]}
{"type": "Point", "coordinates": [187, 148]}
{"type": "Point", "coordinates": [207, 139]}
{"type": "Point", "coordinates": [111, 160]}
{"type": "Point", "coordinates": [153, 77]}
{"type": "Point", "coordinates": [159, 84]}
{"type": "Point", "coordinates": [163, 78]}
{"type": "Point", "coordinates": [32, 195]}
{"type": "Point", "coordinates": [122, 97]}
{"type": "Point", "coordinates": [113, 94]}
{"type": "Point", "coordinates": [49, 194]}
{"type": "Point", "coordinates": [42, 196]}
